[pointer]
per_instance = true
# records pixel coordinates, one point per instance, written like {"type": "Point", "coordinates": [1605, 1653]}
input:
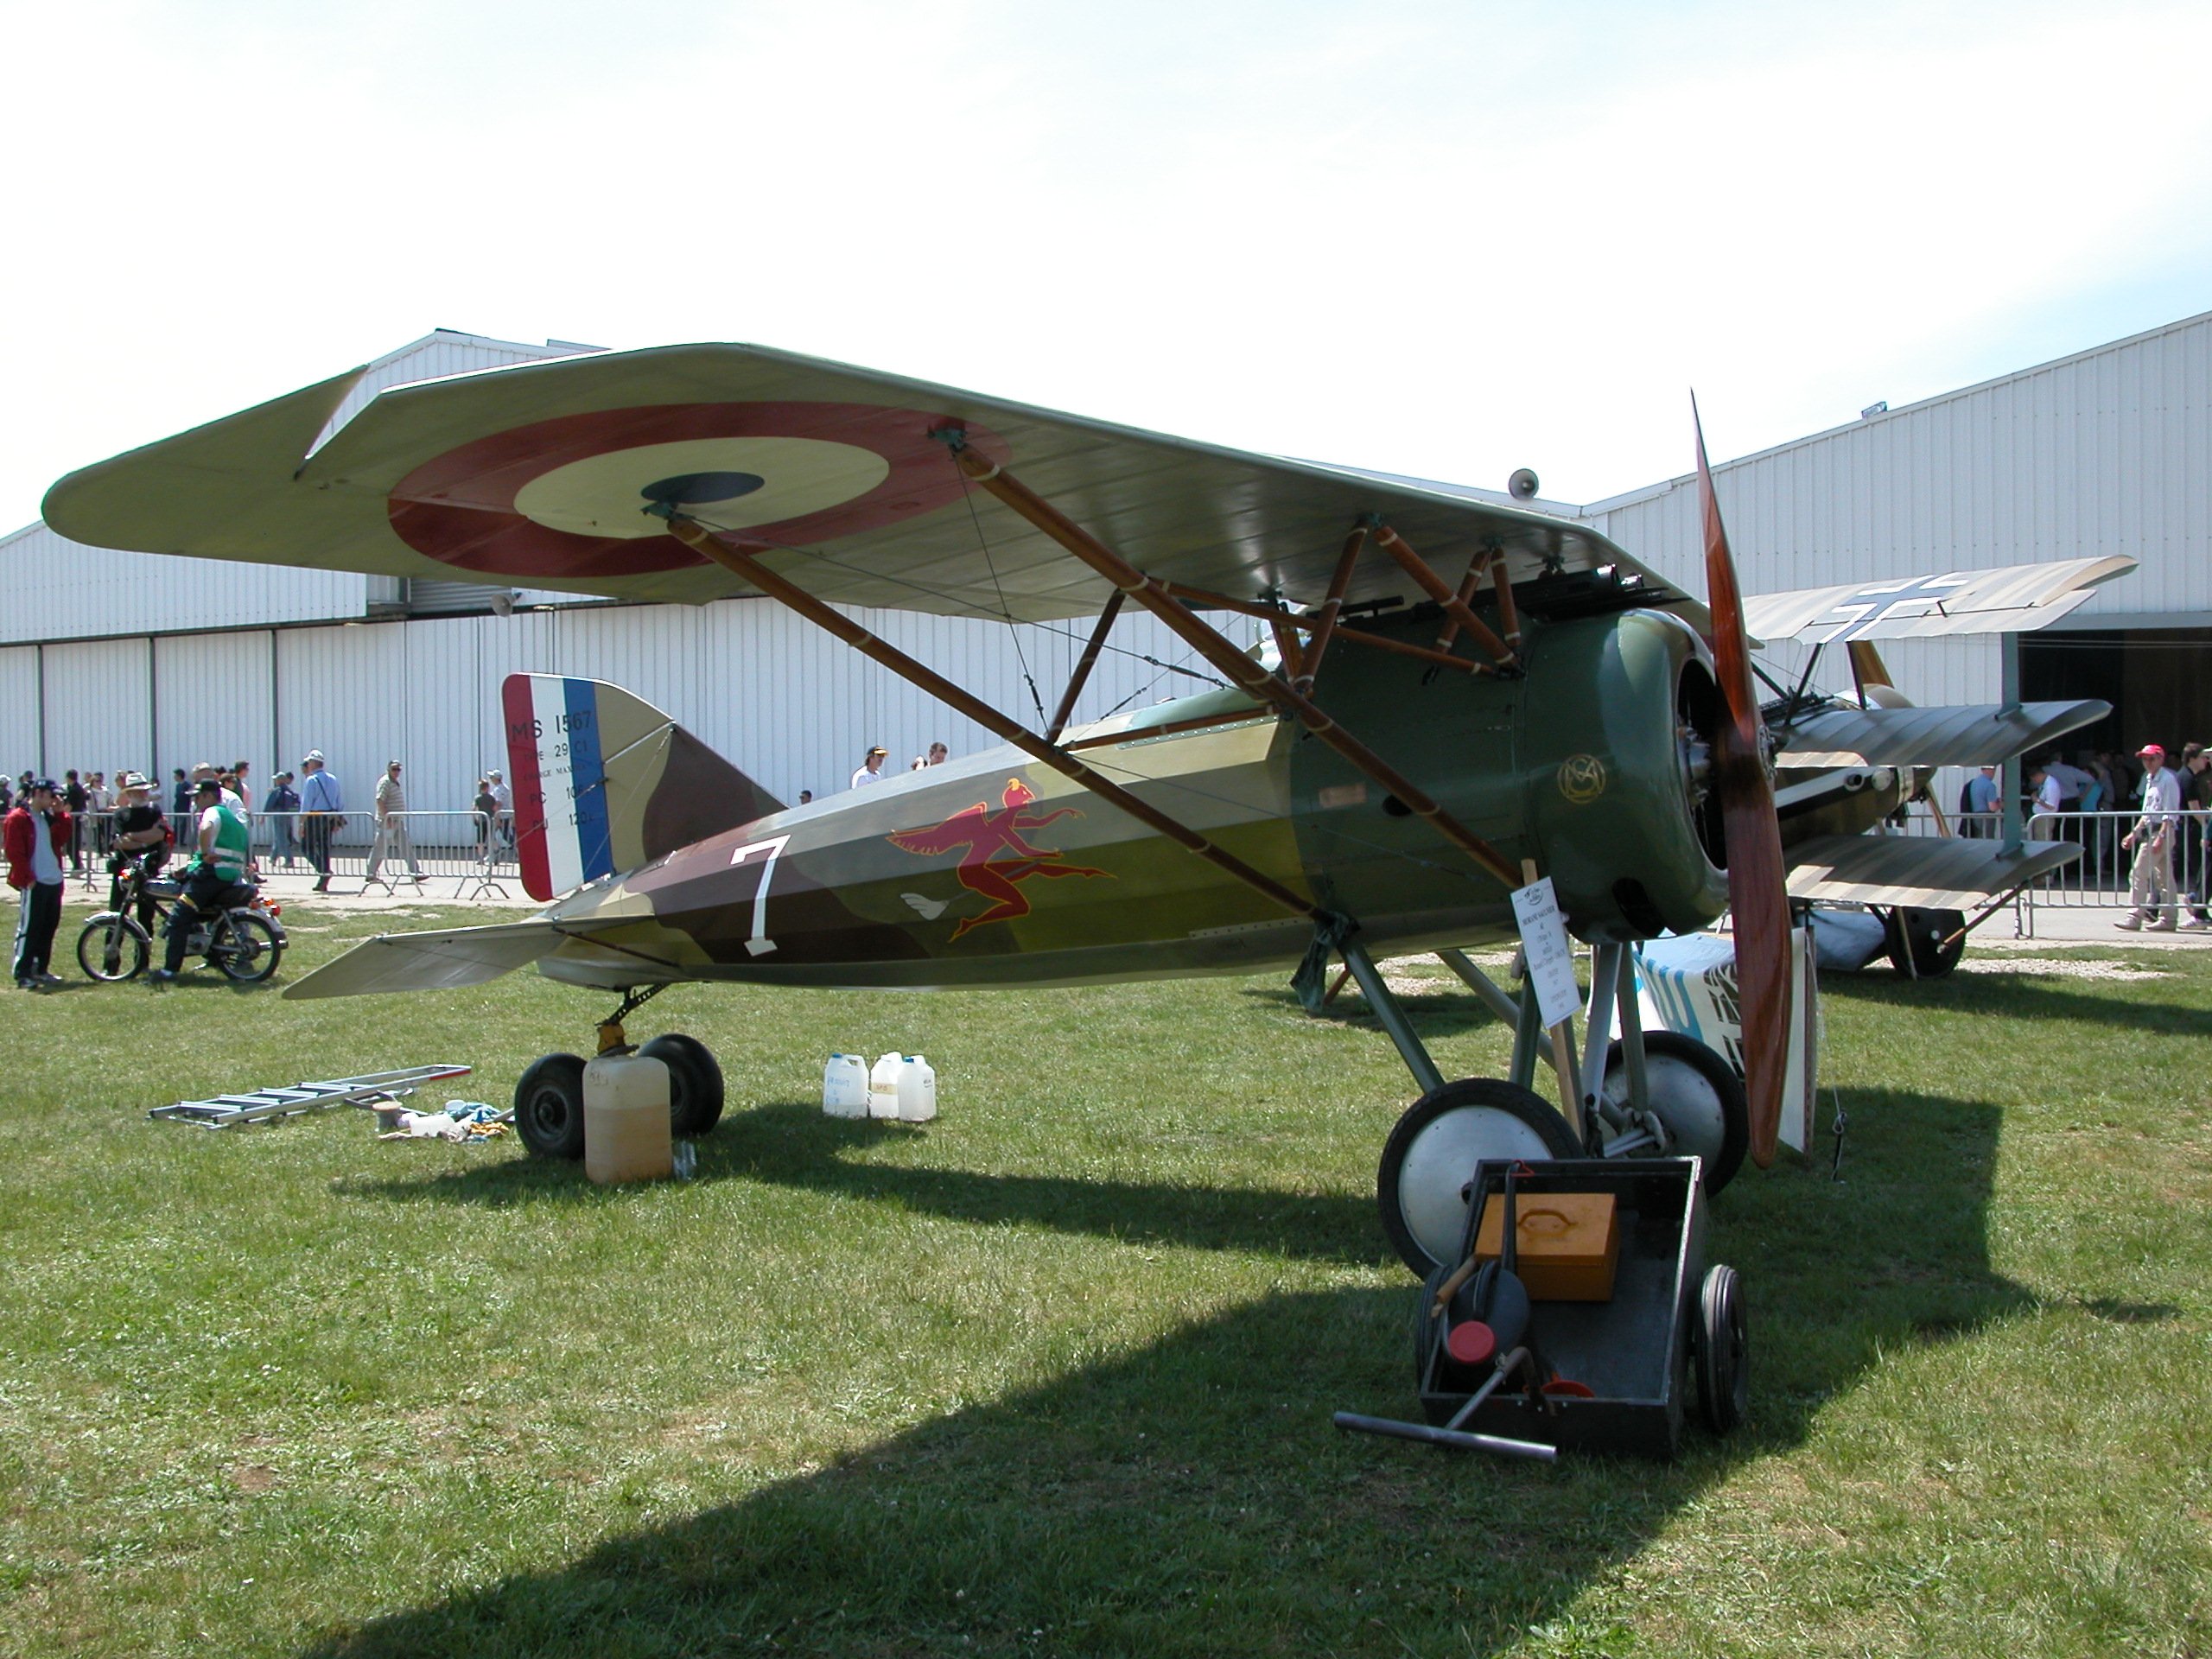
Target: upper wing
{"type": "Point", "coordinates": [2012, 599]}
{"type": "Point", "coordinates": [537, 473]}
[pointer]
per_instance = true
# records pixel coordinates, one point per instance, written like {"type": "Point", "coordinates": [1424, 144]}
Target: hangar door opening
{"type": "Point", "coordinates": [2157, 680]}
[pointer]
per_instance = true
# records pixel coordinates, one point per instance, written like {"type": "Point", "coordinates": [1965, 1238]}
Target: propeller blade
{"type": "Point", "coordinates": [1758, 898]}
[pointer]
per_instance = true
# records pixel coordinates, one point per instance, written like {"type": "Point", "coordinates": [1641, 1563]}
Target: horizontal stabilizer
{"type": "Point", "coordinates": [2013, 598]}
{"type": "Point", "coordinates": [438, 961]}
{"type": "Point", "coordinates": [1924, 872]}
{"type": "Point", "coordinates": [1980, 735]}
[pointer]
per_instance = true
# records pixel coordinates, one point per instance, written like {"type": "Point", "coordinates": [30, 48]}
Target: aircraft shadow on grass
{"type": "Point", "coordinates": [2025, 996]}
{"type": "Point", "coordinates": [1105, 1510]}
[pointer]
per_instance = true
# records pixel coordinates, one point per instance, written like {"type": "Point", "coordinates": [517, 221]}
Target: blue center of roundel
{"type": "Point", "coordinates": [701, 489]}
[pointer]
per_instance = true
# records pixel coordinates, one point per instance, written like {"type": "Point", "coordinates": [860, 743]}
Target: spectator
{"type": "Point", "coordinates": [2196, 780]}
{"type": "Point", "coordinates": [391, 813]}
{"type": "Point", "coordinates": [97, 804]}
{"type": "Point", "coordinates": [240, 787]}
{"type": "Point", "coordinates": [37, 833]}
{"type": "Point", "coordinates": [76, 798]}
{"type": "Point", "coordinates": [2151, 879]}
{"type": "Point", "coordinates": [486, 807]}
{"type": "Point", "coordinates": [321, 805]}
{"type": "Point", "coordinates": [141, 833]}
{"type": "Point", "coordinates": [506, 797]}
{"type": "Point", "coordinates": [1978, 803]}
{"type": "Point", "coordinates": [281, 804]}
{"type": "Point", "coordinates": [179, 793]}
{"type": "Point", "coordinates": [805, 797]}
{"type": "Point", "coordinates": [871, 768]}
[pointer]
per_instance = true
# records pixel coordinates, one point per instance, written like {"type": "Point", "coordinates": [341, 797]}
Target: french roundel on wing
{"type": "Point", "coordinates": [566, 498]}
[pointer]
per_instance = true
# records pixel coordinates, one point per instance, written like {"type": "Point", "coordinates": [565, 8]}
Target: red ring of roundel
{"type": "Point", "coordinates": [458, 507]}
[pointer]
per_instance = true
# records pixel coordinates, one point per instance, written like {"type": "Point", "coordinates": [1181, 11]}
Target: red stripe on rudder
{"type": "Point", "coordinates": [520, 713]}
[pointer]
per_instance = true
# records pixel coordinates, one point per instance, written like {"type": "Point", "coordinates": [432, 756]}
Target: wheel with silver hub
{"type": "Point", "coordinates": [1695, 1095]}
{"type": "Point", "coordinates": [1431, 1157]}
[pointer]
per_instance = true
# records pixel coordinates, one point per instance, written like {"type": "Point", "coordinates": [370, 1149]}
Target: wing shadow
{"type": "Point", "coordinates": [1195, 1485]}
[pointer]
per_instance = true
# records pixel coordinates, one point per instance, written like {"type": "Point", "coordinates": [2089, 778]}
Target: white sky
{"type": "Point", "coordinates": [1446, 239]}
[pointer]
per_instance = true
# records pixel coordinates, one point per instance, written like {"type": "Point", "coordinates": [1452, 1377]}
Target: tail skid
{"type": "Point", "coordinates": [603, 782]}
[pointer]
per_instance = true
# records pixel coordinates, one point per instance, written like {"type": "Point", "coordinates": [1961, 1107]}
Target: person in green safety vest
{"type": "Point", "coordinates": [225, 850]}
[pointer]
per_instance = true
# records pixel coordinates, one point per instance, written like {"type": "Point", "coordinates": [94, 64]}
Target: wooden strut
{"type": "Point", "coordinates": [1280, 620]}
{"type": "Point", "coordinates": [1082, 674]}
{"type": "Point", "coordinates": [1434, 585]}
{"type": "Point", "coordinates": [739, 560]}
{"type": "Point", "coordinates": [1468, 585]}
{"type": "Point", "coordinates": [1325, 626]}
{"type": "Point", "coordinates": [1152, 592]}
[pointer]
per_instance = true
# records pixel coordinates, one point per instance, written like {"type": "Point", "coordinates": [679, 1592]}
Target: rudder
{"type": "Point", "coordinates": [603, 782]}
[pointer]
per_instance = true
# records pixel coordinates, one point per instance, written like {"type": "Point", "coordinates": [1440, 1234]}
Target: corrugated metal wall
{"type": "Point", "coordinates": [2108, 452]}
{"type": "Point", "coordinates": [785, 701]}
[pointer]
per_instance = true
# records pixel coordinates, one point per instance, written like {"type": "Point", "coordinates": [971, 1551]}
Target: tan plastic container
{"type": "Point", "coordinates": [625, 1120]}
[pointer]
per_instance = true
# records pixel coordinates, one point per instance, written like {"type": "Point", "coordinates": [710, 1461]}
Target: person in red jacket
{"type": "Point", "coordinates": [37, 835]}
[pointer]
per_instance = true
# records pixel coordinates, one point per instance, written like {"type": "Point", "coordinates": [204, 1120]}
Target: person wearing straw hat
{"type": "Point", "coordinates": [141, 833]}
{"type": "Point", "coordinates": [2152, 878]}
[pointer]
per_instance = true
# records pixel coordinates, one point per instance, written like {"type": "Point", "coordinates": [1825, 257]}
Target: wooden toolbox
{"type": "Point", "coordinates": [1569, 1242]}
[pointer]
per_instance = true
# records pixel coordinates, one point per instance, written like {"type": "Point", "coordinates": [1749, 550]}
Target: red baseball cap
{"type": "Point", "coordinates": [2152, 748]}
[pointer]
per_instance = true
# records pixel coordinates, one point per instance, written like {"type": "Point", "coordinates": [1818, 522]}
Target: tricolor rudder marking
{"type": "Point", "coordinates": [553, 750]}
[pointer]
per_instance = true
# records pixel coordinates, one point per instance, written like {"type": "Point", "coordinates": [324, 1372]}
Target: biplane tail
{"type": "Point", "coordinates": [604, 781]}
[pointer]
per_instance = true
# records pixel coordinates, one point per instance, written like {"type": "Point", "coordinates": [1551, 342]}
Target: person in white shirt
{"type": "Point", "coordinates": [506, 799]}
{"type": "Point", "coordinates": [2151, 879]}
{"type": "Point", "coordinates": [871, 769]}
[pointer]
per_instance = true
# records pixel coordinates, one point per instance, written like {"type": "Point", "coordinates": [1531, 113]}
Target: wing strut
{"type": "Point", "coordinates": [731, 556]}
{"type": "Point", "coordinates": [1151, 591]}
{"type": "Point", "coordinates": [1325, 624]}
{"type": "Point", "coordinates": [1081, 675]}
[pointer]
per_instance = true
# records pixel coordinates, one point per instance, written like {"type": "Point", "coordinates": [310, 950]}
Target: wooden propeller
{"type": "Point", "coordinates": [1758, 899]}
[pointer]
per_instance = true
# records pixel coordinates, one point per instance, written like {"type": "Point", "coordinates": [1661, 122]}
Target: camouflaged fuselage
{"type": "Point", "coordinates": [994, 870]}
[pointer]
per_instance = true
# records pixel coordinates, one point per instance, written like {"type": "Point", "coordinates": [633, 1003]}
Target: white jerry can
{"type": "Point", "coordinates": [917, 1090]}
{"type": "Point", "coordinates": [625, 1120]}
{"type": "Point", "coordinates": [845, 1086]}
{"type": "Point", "coordinates": [883, 1086]}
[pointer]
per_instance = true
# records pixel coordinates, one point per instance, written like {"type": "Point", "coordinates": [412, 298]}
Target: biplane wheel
{"type": "Point", "coordinates": [1696, 1094]}
{"type": "Point", "coordinates": [695, 1084]}
{"type": "Point", "coordinates": [549, 1107]}
{"type": "Point", "coordinates": [1918, 941]}
{"type": "Point", "coordinates": [1431, 1153]}
{"type": "Point", "coordinates": [1724, 1369]}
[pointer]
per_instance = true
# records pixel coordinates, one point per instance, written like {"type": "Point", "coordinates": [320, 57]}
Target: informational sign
{"type": "Point", "coordinates": [1550, 954]}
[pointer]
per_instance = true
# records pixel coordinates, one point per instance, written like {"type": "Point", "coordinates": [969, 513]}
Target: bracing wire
{"type": "Point", "coordinates": [990, 564]}
{"type": "Point", "coordinates": [965, 601]}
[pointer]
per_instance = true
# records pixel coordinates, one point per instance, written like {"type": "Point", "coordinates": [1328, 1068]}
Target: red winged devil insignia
{"type": "Point", "coordinates": [986, 835]}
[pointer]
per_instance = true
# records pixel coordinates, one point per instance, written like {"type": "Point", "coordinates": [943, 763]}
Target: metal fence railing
{"type": "Point", "coordinates": [473, 850]}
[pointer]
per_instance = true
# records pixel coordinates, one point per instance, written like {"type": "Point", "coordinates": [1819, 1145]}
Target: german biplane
{"type": "Point", "coordinates": [1460, 697]}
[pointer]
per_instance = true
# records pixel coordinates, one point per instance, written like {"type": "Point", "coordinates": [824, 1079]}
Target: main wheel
{"type": "Point", "coordinates": [1724, 1369]}
{"type": "Point", "coordinates": [111, 947]}
{"type": "Point", "coordinates": [695, 1084]}
{"type": "Point", "coordinates": [1431, 1153]}
{"type": "Point", "coordinates": [549, 1107]}
{"type": "Point", "coordinates": [1926, 943]}
{"type": "Point", "coordinates": [243, 947]}
{"type": "Point", "coordinates": [1696, 1094]}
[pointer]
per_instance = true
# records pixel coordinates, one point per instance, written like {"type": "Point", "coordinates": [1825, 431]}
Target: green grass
{"type": "Point", "coordinates": [1054, 1375]}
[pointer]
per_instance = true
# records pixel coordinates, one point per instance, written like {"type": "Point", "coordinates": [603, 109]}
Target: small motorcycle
{"type": "Point", "coordinates": [243, 941]}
